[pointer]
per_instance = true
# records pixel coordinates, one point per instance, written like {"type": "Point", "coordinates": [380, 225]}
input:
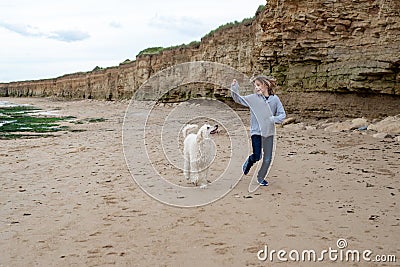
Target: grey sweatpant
{"type": "Point", "coordinates": [267, 147]}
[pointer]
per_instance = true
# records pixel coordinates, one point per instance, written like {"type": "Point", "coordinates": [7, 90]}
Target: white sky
{"type": "Point", "coordinates": [47, 38]}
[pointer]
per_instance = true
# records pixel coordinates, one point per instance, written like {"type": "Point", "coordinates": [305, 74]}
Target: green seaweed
{"type": "Point", "coordinates": [18, 122]}
{"type": "Point", "coordinates": [90, 120]}
{"type": "Point", "coordinates": [7, 136]}
{"type": "Point", "coordinates": [17, 109]}
{"type": "Point", "coordinates": [96, 120]}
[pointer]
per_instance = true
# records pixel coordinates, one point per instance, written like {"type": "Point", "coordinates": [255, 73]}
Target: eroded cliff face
{"type": "Point", "coordinates": [333, 45]}
{"type": "Point", "coordinates": [310, 46]}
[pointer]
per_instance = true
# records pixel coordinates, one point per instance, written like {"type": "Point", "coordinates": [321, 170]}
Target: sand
{"type": "Point", "coordinates": [71, 200]}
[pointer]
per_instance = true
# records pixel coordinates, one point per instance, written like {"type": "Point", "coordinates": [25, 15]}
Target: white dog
{"type": "Point", "coordinates": [198, 153]}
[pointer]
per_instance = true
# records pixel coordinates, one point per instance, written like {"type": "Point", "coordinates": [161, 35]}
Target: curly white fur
{"type": "Point", "coordinates": [198, 152]}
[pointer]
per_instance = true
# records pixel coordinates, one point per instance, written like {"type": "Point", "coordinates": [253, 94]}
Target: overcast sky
{"type": "Point", "coordinates": [46, 38]}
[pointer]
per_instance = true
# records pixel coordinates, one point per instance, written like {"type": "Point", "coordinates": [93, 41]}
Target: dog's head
{"type": "Point", "coordinates": [205, 131]}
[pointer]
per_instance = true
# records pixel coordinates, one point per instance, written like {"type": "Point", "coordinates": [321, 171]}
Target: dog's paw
{"type": "Point", "coordinates": [203, 186]}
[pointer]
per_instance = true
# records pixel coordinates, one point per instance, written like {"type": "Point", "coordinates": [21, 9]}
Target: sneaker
{"type": "Point", "coordinates": [246, 167]}
{"type": "Point", "coordinates": [263, 183]}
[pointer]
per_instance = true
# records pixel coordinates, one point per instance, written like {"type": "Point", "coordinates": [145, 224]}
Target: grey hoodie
{"type": "Point", "coordinates": [263, 113]}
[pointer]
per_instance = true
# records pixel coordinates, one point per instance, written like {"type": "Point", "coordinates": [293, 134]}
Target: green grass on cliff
{"type": "Point", "coordinates": [151, 51]}
{"type": "Point", "coordinates": [230, 25]}
{"type": "Point", "coordinates": [245, 21]}
{"type": "Point", "coordinates": [158, 49]}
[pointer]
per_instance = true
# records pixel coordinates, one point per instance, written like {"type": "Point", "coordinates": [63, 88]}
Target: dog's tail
{"type": "Point", "coordinates": [187, 128]}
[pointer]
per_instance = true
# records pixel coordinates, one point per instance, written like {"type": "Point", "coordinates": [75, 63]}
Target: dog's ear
{"type": "Point", "coordinates": [200, 135]}
{"type": "Point", "coordinates": [204, 133]}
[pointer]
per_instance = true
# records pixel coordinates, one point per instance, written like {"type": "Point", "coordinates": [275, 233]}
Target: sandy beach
{"type": "Point", "coordinates": [70, 200]}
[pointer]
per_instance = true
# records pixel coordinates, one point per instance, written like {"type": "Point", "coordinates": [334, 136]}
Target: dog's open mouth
{"type": "Point", "coordinates": [213, 131]}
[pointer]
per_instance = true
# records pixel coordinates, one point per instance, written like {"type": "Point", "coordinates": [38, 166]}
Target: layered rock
{"type": "Point", "coordinates": [333, 45]}
{"type": "Point", "coordinates": [329, 46]}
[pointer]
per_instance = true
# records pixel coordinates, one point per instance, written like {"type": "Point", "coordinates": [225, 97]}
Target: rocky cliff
{"type": "Point", "coordinates": [332, 45]}
{"type": "Point", "coordinates": [325, 46]}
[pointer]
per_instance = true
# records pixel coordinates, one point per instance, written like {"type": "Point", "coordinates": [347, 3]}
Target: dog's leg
{"type": "Point", "coordinates": [194, 173]}
{"type": "Point", "coordinates": [203, 178]}
{"type": "Point", "coordinates": [186, 167]}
